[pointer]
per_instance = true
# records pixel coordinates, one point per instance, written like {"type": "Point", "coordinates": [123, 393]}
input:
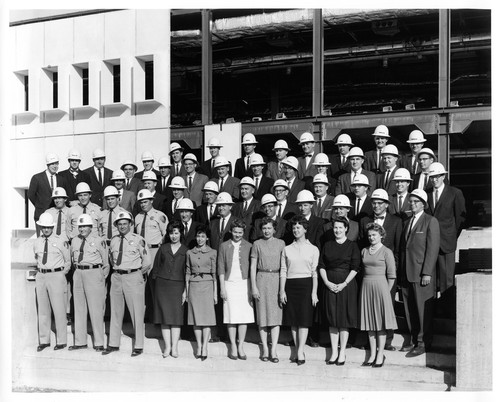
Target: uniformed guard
{"type": "Point", "coordinates": [53, 262]}
{"type": "Point", "coordinates": [112, 199]}
{"type": "Point", "coordinates": [90, 260]}
{"type": "Point", "coordinates": [84, 206]}
{"type": "Point", "coordinates": [130, 260]}
{"type": "Point", "coordinates": [60, 212]}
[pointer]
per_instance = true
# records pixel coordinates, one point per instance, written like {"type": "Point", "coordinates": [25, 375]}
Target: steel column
{"type": "Point", "coordinates": [206, 67]}
{"type": "Point", "coordinates": [444, 86]}
{"type": "Point", "coordinates": [318, 60]}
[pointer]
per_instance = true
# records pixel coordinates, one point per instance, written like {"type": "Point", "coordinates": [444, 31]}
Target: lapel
{"type": "Point", "coordinates": [437, 206]}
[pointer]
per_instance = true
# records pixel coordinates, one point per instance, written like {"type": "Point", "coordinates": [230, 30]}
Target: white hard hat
{"type": "Point", "coordinates": [149, 175]}
{"type": "Point", "coordinates": [45, 220]}
{"type": "Point", "coordinates": [191, 157]}
{"type": "Point", "coordinates": [111, 191]}
{"type": "Point", "coordinates": [257, 159]}
{"type": "Point", "coordinates": [82, 188]}
{"type": "Point", "coordinates": [356, 151]}
{"type": "Point", "coordinates": [98, 153]}
{"type": "Point", "coordinates": [305, 196]}
{"type": "Point", "coordinates": [214, 142]}
{"type": "Point", "coordinates": [380, 194]}
{"type": "Point", "coordinates": [249, 138]}
{"type": "Point", "coordinates": [268, 198]}
{"type": "Point", "coordinates": [128, 162]}
{"type": "Point", "coordinates": [84, 220]}
{"type": "Point", "coordinates": [320, 178]}
{"type": "Point", "coordinates": [381, 131]}
{"type": "Point", "coordinates": [419, 194]}
{"type": "Point", "coordinates": [178, 183]}
{"type": "Point", "coordinates": [291, 161]}
{"type": "Point", "coordinates": [321, 159]}
{"type": "Point", "coordinates": [427, 151]}
{"type": "Point", "coordinates": [281, 144]}
{"type": "Point", "coordinates": [306, 137]}
{"type": "Point", "coordinates": [118, 175]}
{"type": "Point", "coordinates": [221, 161]}
{"type": "Point", "coordinates": [147, 156]}
{"type": "Point", "coordinates": [174, 146]}
{"type": "Point", "coordinates": [123, 215]}
{"type": "Point", "coordinates": [247, 180]}
{"type": "Point", "coordinates": [51, 158]}
{"type": "Point", "coordinates": [280, 183]}
{"type": "Point", "coordinates": [402, 174]}
{"type": "Point", "coordinates": [144, 194]}
{"type": "Point", "coordinates": [164, 161]}
{"type": "Point", "coordinates": [186, 204]}
{"type": "Point", "coordinates": [416, 137]}
{"type": "Point", "coordinates": [390, 150]}
{"type": "Point", "coordinates": [436, 168]}
{"type": "Point", "coordinates": [211, 186]}
{"type": "Point", "coordinates": [74, 154]}
{"type": "Point", "coordinates": [224, 198]}
{"type": "Point", "coordinates": [344, 139]}
{"type": "Point", "coordinates": [341, 200]}
{"type": "Point", "coordinates": [59, 192]}
{"type": "Point", "coordinates": [360, 179]}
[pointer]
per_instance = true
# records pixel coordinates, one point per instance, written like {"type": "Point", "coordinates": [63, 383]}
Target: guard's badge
{"type": "Point", "coordinates": [131, 242]}
{"type": "Point", "coordinates": [151, 218]}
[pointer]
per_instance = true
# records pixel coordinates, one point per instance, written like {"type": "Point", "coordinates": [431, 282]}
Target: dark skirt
{"type": "Point", "coordinates": [340, 309]}
{"type": "Point", "coordinates": [168, 307]}
{"type": "Point", "coordinates": [298, 310]}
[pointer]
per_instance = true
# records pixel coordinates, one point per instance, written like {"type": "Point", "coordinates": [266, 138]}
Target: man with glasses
{"type": "Point", "coordinates": [421, 180]}
{"type": "Point", "coordinates": [286, 208]}
{"type": "Point", "coordinates": [131, 183]}
{"type": "Point", "coordinates": [100, 176]}
{"type": "Point", "coordinates": [74, 175]}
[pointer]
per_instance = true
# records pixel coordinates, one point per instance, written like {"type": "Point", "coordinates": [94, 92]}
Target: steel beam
{"type": "Point", "coordinates": [318, 67]}
{"type": "Point", "coordinates": [206, 67]}
{"type": "Point", "coordinates": [444, 86]}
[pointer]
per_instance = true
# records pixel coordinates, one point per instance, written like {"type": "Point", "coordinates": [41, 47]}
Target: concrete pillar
{"type": "Point", "coordinates": [474, 332]}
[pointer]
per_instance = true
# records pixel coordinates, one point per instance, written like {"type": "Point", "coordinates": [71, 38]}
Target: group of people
{"type": "Point", "coordinates": [194, 245]}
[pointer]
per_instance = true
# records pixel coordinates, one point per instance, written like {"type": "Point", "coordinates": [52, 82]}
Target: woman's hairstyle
{"type": "Point", "coordinates": [342, 220]}
{"type": "Point", "coordinates": [170, 229]}
{"type": "Point", "coordinates": [203, 229]}
{"type": "Point", "coordinates": [299, 220]}
{"type": "Point", "coordinates": [237, 223]}
{"type": "Point", "coordinates": [267, 220]}
{"type": "Point", "coordinates": [377, 228]}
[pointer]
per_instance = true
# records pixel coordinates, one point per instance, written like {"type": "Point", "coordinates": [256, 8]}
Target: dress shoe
{"type": "Point", "coordinates": [174, 355]}
{"type": "Point", "coordinates": [339, 363]}
{"type": "Point", "coordinates": [416, 351]}
{"type": "Point", "coordinates": [264, 358]}
{"type": "Point", "coordinates": [231, 356]}
{"type": "Point", "coordinates": [203, 358]}
{"type": "Point", "coordinates": [378, 365]}
{"type": "Point", "coordinates": [214, 339]}
{"type": "Point", "coordinates": [293, 360]}
{"type": "Point", "coordinates": [59, 347]}
{"type": "Point", "coordinates": [242, 357]}
{"type": "Point", "coordinates": [332, 363]}
{"type": "Point", "coordinates": [274, 360]}
{"type": "Point", "coordinates": [76, 347]}
{"type": "Point", "coordinates": [110, 349]}
{"type": "Point", "coordinates": [368, 364]}
{"type": "Point", "coordinates": [136, 352]}
{"type": "Point", "coordinates": [301, 362]}
{"type": "Point", "coordinates": [42, 346]}
{"type": "Point", "coordinates": [197, 356]}
{"type": "Point", "coordinates": [389, 348]}
{"type": "Point", "coordinates": [406, 348]}
{"type": "Point", "coordinates": [99, 348]}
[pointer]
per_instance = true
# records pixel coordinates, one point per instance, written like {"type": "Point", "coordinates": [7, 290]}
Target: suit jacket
{"type": "Point", "coordinates": [344, 182]}
{"type": "Point", "coordinates": [391, 185]}
{"type": "Point", "coordinates": [206, 169]}
{"type": "Point", "coordinates": [450, 213]}
{"type": "Point", "coordinates": [231, 186]}
{"type": "Point", "coordinates": [240, 170]}
{"type": "Point", "coordinates": [167, 191]}
{"type": "Point", "coordinates": [127, 201]}
{"type": "Point", "coordinates": [273, 171]}
{"type": "Point", "coordinates": [265, 185]}
{"type": "Point", "coordinates": [248, 215]}
{"type": "Point", "coordinates": [326, 208]}
{"type": "Point", "coordinates": [135, 185]}
{"type": "Point", "coordinates": [310, 170]}
{"type": "Point", "coordinates": [216, 236]}
{"type": "Point", "coordinates": [190, 238]}
{"type": "Point", "coordinates": [418, 254]}
{"type": "Point", "coordinates": [291, 209]}
{"type": "Point", "coordinates": [297, 186]}
{"type": "Point", "coordinates": [405, 162]}
{"type": "Point", "coordinates": [97, 189]}
{"type": "Point", "coordinates": [72, 181]}
{"type": "Point", "coordinates": [405, 212]}
{"type": "Point", "coordinates": [201, 214]}
{"type": "Point", "coordinates": [371, 162]}
{"type": "Point", "coordinates": [352, 234]}
{"type": "Point", "coordinates": [182, 170]}
{"type": "Point", "coordinates": [337, 169]}
{"type": "Point", "coordinates": [393, 228]}
{"type": "Point", "coordinates": [365, 210]}
{"type": "Point", "coordinates": [40, 193]}
{"type": "Point", "coordinates": [196, 192]}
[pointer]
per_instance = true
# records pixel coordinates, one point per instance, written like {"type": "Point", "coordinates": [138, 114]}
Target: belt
{"type": "Point", "coordinates": [201, 274]}
{"type": "Point", "coordinates": [88, 266]}
{"type": "Point", "coordinates": [126, 271]}
{"type": "Point", "coordinates": [153, 245]}
{"type": "Point", "coordinates": [269, 271]}
{"type": "Point", "coordinates": [46, 271]}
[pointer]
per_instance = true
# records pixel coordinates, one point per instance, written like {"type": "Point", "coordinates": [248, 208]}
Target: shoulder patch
{"type": "Point", "coordinates": [142, 243]}
{"type": "Point", "coordinates": [163, 218]}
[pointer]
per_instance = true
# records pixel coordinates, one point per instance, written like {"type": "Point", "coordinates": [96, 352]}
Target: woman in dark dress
{"type": "Point", "coordinates": [338, 265]}
{"type": "Point", "coordinates": [169, 271]}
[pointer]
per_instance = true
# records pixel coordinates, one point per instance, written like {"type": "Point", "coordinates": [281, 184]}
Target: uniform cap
{"type": "Point", "coordinates": [118, 175]}
{"type": "Point", "coordinates": [185, 204]}
{"type": "Point", "coordinates": [320, 178]}
{"type": "Point", "coordinates": [84, 220]}
{"type": "Point", "coordinates": [344, 139]}
{"type": "Point", "coordinates": [402, 174]}
{"type": "Point", "coordinates": [305, 196]}
{"type": "Point", "coordinates": [51, 158]}
{"type": "Point", "coordinates": [381, 131]}
{"type": "Point", "coordinates": [223, 198]}
{"type": "Point", "coordinates": [257, 159]}
{"type": "Point", "coordinates": [123, 215]}
{"type": "Point", "coordinates": [427, 151]}
{"type": "Point", "coordinates": [419, 194]}
{"type": "Point", "coordinates": [281, 144]}
{"type": "Point", "coordinates": [82, 188]}
{"type": "Point", "coordinates": [98, 153]}
{"type": "Point", "coordinates": [147, 156]}
{"type": "Point", "coordinates": [291, 161]}
{"type": "Point", "coordinates": [59, 192]}
{"type": "Point", "coordinates": [247, 180]}
{"type": "Point", "coordinates": [178, 183]}
{"type": "Point", "coordinates": [268, 198]}
{"type": "Point", "coordinates": [306, 137]}
{"type": "Point", "coordinates": [45, 220]}
{"type": "Point", "coordinates": [415, 137]}
{"type": "Point", "coordinates": [341, 200]}
{"type": "Point", "coordinates": [220, 161]}
{"type": "Point", "coordinates": [164, 161]}
{"type": "Point", "coordinates": [380, 194]}
{"type": "Point", "coordinates": [280, 183]}
{"type": "Point", "coordinates": [174, 146]}
{"type": "Point", "coordinates": [74, 154]}
{"type": "Point", "coordinates": [390, 150]}
{"type": "Point", "coordinates": [111, 191]}
{"type": "Point", "coordinates": [191, 157]}
{"type": "Point", "coordinates": [321, 159]}
{"type": "Point", "coordinates": [436, 168]}
{"type": "Point", "coordinates": [249, 138]}
{"type": "Point", "coordinates": [211, 186]}
{"type": "Point", "coordinates": [128, 162]}
{"type": "Point", "coordinates": [360, 179]}
{"type": "Point", "coordinates": [356, 151]}
{"type": "Point", "coordinates": [214, 142]}
{"type": "Point", "coordinates": [144, 194]}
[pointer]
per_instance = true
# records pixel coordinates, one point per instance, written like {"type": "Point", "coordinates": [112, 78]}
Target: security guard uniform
{"type": "Point", "coordinates": [53, 262]}
{"type": "Point", "coordinates": [151, 225]}
{"type": "Point", "coordinates": [91, 209]}
{"type": "Point", "coordinates": [90, 260]}
{"type": "Point", "coordinates": [62, 225]}
{"type": "Point", "coordinates": [108, 216]}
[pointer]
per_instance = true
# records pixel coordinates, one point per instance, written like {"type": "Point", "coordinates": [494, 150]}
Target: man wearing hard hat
{"type": "Point", "coordinates": [100, 176]}
{"type": "Point", "coordinates": [108, 216]}
{"type": "Point", "coordinates": [207, 167]}
{"type": "Point", "coordinates": [416, 142]}
{"type": "Point", "coordinates": [262, 184]}
{"type": "Point", "coordinates": [126, 198]}
{"type": "Point", "coordinates": [340, 163]}
{"type": "Point", "coordinates": [242, 165]}
{"type": "Point", "coordinates": [373, 158]}
{"type": "Point", "coordinates": [131, 183]}
{"type": "Point", "coordinates": [207, 211]}
{"type": "Point", "coordinates": [226, 183]}
{"type": "Point", "coordinates": [390, 157]}
{"type": "Point", "coordinates": [275, 168]}
{"type": "Point", "coordinates": [74, 175]}
{"type": "Point", "coordinates": [147, 159]}
{"type": "Point", "coordinates": [176, 153]}
{"type": "Point", "coordinates": [305, 162]}
{"type": "Point", "coordinates": [194, 181]}
{"type": "Point", "coordinates": [60, 213]}
{"type": "Point", "coordinates": [85, 206]}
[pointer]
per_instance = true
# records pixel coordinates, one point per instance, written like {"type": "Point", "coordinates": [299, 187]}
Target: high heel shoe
{"type": "Point", "coordinates": [301, 362]}
{"type": "Point", "coordinates": [331, 363]}
{"type": "Point", "coordinates": [378, 365]}
{"type": "Point", "coordinates": [203, 358]}
{"type": "Point", "coordinates": [368, 364]}
{"type": "Point", "coordinates": [339, 363]}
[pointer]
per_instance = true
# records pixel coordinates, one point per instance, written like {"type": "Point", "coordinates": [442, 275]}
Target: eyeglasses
{"type": "Point", "coordinates": [280, 190]}
{"type": "Point", "coordinates": [414, 201]}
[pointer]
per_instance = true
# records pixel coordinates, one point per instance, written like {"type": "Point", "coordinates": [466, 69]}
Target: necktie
{"type": "Point", "coordinates": [120, 251]}
{"type": "Point", "coordinates": [279, 210]}
{"type": "Point", "coordinates": [163, 184]}
{"type": "Point", "coordinates": [248, 162]}
{"type": "Point", "coordinates": [386, 180]}
{"type": "Point", "coordinates": [358, 202]}
{"type": "Point", "coordinates": [221, 184]}
{"type": "Point", "coordinates": [143, 226]}
{"type": "Point", "coordinates": [59, 217]}
{"type": "Point", "coordinates": [245, 206]}
{"type": "Point", "coordinates": [175, 205]}
{"type": "Point", "coordinates": [80, 256]}
{"type": "Point", "coordinates": [343, 160]}
{"type": "Point", "coordinates": [45, 251]}
{"type": "Point", "coordinates": [426, 177]}
{"type": "Point", "coordinates": [256, 183]}
{"type": "Point", "coordinates": [221, 225]}
{"type": "Point", "coordinates": [190, 183]}
{"type": "Point", "coordinates": [210, 214]}
{"type": "Point", "coordinates": [279, 167]}
{"type": "Point", "coordinates": [409, 227]}
{"type": "Point", "coordinates": [128, 184]}
{"type": "Point", "coordinates": [213, 163]}
{"type": "Point", "coordinates": [100, 177]}
{"type": "Point", "coordinates": [177, 169]}
{"type": "Point", "coordinates": [84, 209]}
{"type": "Point", "coordinates": [400, 203]}
{"type": "Point", "coordinates": [289, 184]}
{"type": "Point", "coordinates": [52, 182]}
{"type": "Point", "coordinates": [308, 160]}
{"type": "Point", "coordinates": [415, 165]}
{"type": "Point", "coordinates": [185, 229]}
{"type": "Point", "coordinates": [319, 205]}
{"type": "Point", "coordinates": [379, 159]}
{"type": "Point", "coordinates": [436, 197]}
{"type": "Point", "coordinates": [110, 224]}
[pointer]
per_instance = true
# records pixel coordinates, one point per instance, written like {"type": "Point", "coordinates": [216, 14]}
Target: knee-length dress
{"type": "Point", "coordinates": [268, 255]}
{"type": "Point", "coordinates": [201, 275]}
{"type": "Point", "coordinates": [376, 309]}
{"type": "Point", "coordinates": [338, 260]}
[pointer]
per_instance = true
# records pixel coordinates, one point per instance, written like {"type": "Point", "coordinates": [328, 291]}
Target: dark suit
{"type": "Point", "coordinates": [291, 209]}
{"type": "Point", "coordinates": [196, 192]}
{"type": "Point", "coordinates": [364, 210]}
{"type": "Point", "coordinates": [344, 182]}
{"type": "Point", "coordinates": [326, 208]}
{"type": "Point", "coordinates": [190, 238]}
{"type": "Point", "coordinates": [201, 214]}
{"type": "Point", "coordinates": [337, 169]}
{"type": "Point", "coordinates": [166, 190]}
{"type": "Point", "coordinates": [265, 185]}
{"type": "Point", "coordinates": [216, 236]}
{"type": "Point", "coordinates": [40, 193]}
{"type": "Point", "coordinates": [393, 208]}
{"type": "Point", "coordinates": [371, 162]}
{"type": "Point", "coordinates": [240, 169]}
{"type": "Point", "coordinates": [310, 170]}
{"type": "Point", "coordinates": [391, 184]}
{"type": "Point", "coordinates": [248, 215]}
{"type": "Point", "coordinates": [405, 162]}
{"type": "Point", "coordinates": [418, 254]}
{"type": "Point", "coordinates": [95, 186]}
{"type": "Point", "coordinates": [206, 169]}
{"type": "Point", "coordinates": [231, 186]}
{"type": "Point", "coordinates": [72, 181]}
{"type": "Point", "coordinates": [450, 213]}
{"type": "Point", "coordinates": [273, 171]}
{"type": "Point", "coordinates": [297, 186]}
{"type": "Point", "coordinates": [182, 170]}
{"type": "Point", "coordinates": [134, 185]}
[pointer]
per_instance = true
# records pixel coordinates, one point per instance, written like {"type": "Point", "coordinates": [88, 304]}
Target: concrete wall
{"type": "Point", "coordinates": [124, 130]}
